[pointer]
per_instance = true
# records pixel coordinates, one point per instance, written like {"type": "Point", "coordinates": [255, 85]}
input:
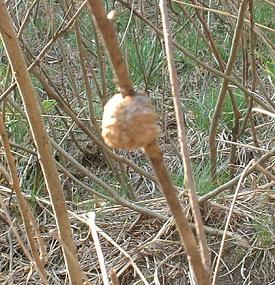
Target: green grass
{"type": "Point", "coordinates": [111, 180]}
{"type": "Point", "coordinates": [177, 178]}
{"type": "Point", "coordinates": [270, 69]}
{"type": "Point", "coordinates": [191, 40]}
{"type": "Point", "coordinates": [263, 13]}
{"type": "Point", "coordinates": [144, 57]}
{"type": "Point", "coordinates": [203, 106]}
{"type": "Point", "coordinates": [264, 235]}
{"type": "Point", "coordinates": [37, 186]}
{"type": "Point", "coordinates": [17, 126]}
{"type": "Point", "coordinates": [228, 115]}
{"type": "Point", "coordinates": [141, 49]}
{"type": "Point", "coordinates": [202, 177]}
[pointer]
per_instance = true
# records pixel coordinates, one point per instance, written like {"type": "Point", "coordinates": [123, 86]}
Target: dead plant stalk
{"type": "Point", "coordinates": [32, 108]}
{"type": "Point", "coordinates": [106, 27]}
{"type": "Point", "coordinates": [25, 211]}
{"type": "Point", "coordinates": [184, 229]}
{"type": "Point", "coordinates": [189, 176]}
{"type": "Point", "coordinates": [224, 88]}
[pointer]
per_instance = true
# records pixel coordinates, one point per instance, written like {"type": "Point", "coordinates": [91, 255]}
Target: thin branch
{"type": "Point", "coordinates": [106, 27]}
{"type": "Point", "coordinates": [185, 153]}
{"type": "Point", "coordinates": [224, 87]}
{"type": "Point", "coordinates": [106, 187]}
{"type": "Point", "coordinates": [40, 136]}
{"type": "Point", "coordinates": [185, 232]}
{"type": "Point", "coordinates": [84, 73]}
{"type": "Point", "coordinates": [100, 256]}
{"type": "Point", "coordinates": [25, 210]}
{"type": "Point", "coordinates": [113, 276]}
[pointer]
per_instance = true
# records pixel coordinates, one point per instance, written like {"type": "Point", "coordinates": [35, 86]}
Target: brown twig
{"type": "Point", "coordinates": [84, 73]}
{"type": "Point", "coordinates": [254, 69]}
{"type": "Point", "coordinates": [106, 187]}
{"type": "Point", "coordinates": [100, 256]}
{"type": "Point", "coordinates": [106, 27]}
{"type": "Point", "coordinates": [102, 67]}
{"type": "Point", "coordinates": [69, 71]}
{"type": "Point", "coordinates": [40, 136]}
{"type": "Point", "coordinates": [185, 232]}
{"type": "Point", "coordinates": [25, 20]}
{"type": "Point", "coordinates": [265, 172]}
{"type": "Point", "coordinates": [113, 276]}
{"type": "Point", "coordinates": [25, 210]}
{"type": "Point", "coordinates": [224, 87]}
{"type": "Point", "coordinates": [185, 153]}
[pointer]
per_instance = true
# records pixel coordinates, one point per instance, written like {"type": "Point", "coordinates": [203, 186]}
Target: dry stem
{"type": "Point", "coordinates": [100, 256]}
{"type": "Point", "coordinates": [108, 32]}
{"type": "Point", "coordinates": [224, 87]}
{"type": "Point", "coordinates": [185, 232]}
{"type": "Point", "coordinates": [40, 136]}
{"type": "Point", "coordinates": [152, 150]}
{"type": "Point", "coordinates": [106, 187]}
{"type": "Point", "coordinates": [189, 176]}
{"type": "Point", "coordinates": [113, 276]}
{"type": "Point", "coordinates": [25, 210]}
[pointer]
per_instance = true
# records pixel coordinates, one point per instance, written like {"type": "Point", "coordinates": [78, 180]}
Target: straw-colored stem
{"type": "Point", "coordinates": [224, 87]}
{"type": "Point", "coordinates": [187, 237]}
{"type": "Point", "coordinates": [108, 32]}
{"type": "Point", "coordinates": [25, 210]}
{"type": "Point", "coordinates": [185, 153]}
{"type": "Point", "coordinates": [40, 136]}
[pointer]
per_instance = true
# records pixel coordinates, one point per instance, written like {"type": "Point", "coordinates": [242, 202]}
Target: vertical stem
{"type": "Point", "coordinates": [224, 87]}
{"type": "Point", "coordinates": [108, 32]}
{"type": "Point", "coordinates": [185, 232]}
{"type": "Point", "coordinates": [156, 158]}
{"type": "Point", "coordinates": [27, 217]}
{"type": "Point", "coordinates": [88, 89]}
{"type": "Point", "coordinates": [41, 139]}
{"type": "Point", "coordinates": [189, 177]}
